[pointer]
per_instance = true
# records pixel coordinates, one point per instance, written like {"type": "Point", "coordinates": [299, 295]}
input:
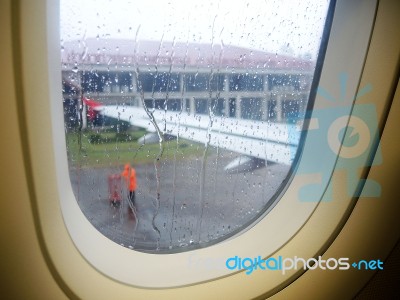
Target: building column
{"type": "Point", "coordinates": [84, 115]}
{"type": "Point", "coordinates": [133, 83]}
{"type": "Point", "coordinates": [264, 109]}
{"type": "Point", "coordinates": [192, 106]}
{"type": "Point", "coordinates": [80, 100]}
{"type": "Point", "coordinates": [226, 99]}
{"type": "Point", "coordinates": [264, 103]}
{"type": "Point", "coordinates": [278, 107]}
{"type": "Point", "coordinates": [181, 83]}
{"type": "Point", "coordinates": [134, 91]}
{"type": "Point", "coordinates": [238, 107]}
{"type": "Point", "coordinates": [226, 83]}
{"type": "Point", "coordinates": [226, 107]}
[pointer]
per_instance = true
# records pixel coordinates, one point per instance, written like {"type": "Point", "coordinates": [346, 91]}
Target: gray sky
{"type": "Point", "coordinates": [258, 24]}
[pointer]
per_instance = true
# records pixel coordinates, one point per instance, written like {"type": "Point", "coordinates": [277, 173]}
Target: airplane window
{"type": "Point", "coordinates": [177, 113]}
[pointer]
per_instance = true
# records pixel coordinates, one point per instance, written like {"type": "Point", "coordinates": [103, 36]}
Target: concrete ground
{"type": "Point", "coordinates": [190, 208]}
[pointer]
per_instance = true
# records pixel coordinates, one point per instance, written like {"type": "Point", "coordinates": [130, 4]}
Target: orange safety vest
{"type": "Point", "coordinates": [130, 179]}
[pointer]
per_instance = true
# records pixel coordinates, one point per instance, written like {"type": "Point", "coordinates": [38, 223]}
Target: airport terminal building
{"type": "Point", "coordinates": [194, 78]}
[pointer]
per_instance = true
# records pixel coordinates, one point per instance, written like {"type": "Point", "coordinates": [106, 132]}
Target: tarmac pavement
{"type": "Point", "coordinates": [182, 208]}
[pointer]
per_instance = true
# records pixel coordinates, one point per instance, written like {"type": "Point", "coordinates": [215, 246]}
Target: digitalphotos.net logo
{"type": "Point", "coordinates": [297, 263]}
{"type": "Point", "coordinates": [335, 134]}
{"type": "Point", "coordinates": [280, 264]}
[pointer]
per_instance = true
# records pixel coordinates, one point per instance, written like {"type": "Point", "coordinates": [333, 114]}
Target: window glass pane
{"type": "Point", "coordinates": [251, 108]}
{"type": "Point", "coordinates": [245, 82]}
{"type": "Point", "coordinates": [159, 82]}
{"type": "Point", "coordinates": [204, 82]}
{"type": "Point", "coordinates": [218, 107]}
{"type": "Point", "coordinates": [201, 106]}
{"type": "Point", "coordinates": [177, 113]}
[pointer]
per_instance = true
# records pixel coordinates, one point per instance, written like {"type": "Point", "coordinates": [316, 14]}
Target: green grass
{"type": "Point", "coordinates": [111, 149]}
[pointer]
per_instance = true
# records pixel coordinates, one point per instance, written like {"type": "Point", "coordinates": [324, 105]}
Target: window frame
{"type": "Point", "coordinates": [114, 261]}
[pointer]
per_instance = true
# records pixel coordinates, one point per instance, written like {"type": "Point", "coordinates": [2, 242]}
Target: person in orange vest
{"type": "Point", "coordinates": [129, 174]}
